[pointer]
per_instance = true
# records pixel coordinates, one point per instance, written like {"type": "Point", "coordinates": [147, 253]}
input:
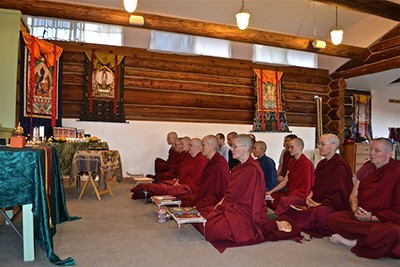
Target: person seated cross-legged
{"type": "Point", "coordinates": [372, 226]}
{"type": "Point", "coordinates": [330, 192]}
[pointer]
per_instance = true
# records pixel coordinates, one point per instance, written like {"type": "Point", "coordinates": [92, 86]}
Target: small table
{"type": "Point", "coordinates": [104, 163]}
{"type": "Point", "coordinates": [166, 201]}
{"type": "Point", "coordinates": [188, 218]}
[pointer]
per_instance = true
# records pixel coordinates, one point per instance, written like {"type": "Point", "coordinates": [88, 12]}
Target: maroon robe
{"type": "Point", "coordinates": [239, 218]}
{"type": "Point", "coordinates": [189, 179]}
{"type": "Point", "coordinates": [378, 193]}
{"type": "Point", "coordinates": [300, 180]}
{"type": "Point", "coordinates": [285, 161]}
{"type": "Point", "coordinates": [174, 168]}
{"type": "Point", "coordinates": [161, 165]}
{"type": "Point", "coordinates": [332, 188]}
{"type": "Point", "coordinates": [212, 184]}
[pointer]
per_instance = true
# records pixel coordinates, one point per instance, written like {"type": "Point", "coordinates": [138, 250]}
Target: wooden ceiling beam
{"type": "Point", "coordinates": [178, 25]}
{"type": "Point", "coordinates": [381, 8]}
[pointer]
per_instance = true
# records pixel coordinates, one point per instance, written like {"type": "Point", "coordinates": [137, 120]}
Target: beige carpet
{"type": "Point", "coordinates": [118, 231]}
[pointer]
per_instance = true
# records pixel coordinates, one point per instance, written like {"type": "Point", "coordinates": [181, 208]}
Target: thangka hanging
{"type": "Point", "coordinates": [103, 88]}
{"type": "Point", "coordinates": [40, 83]}
{"type": "Point", "coordinates": [362, 118]}
{"type": "Point", "coordinates": [269, 115]}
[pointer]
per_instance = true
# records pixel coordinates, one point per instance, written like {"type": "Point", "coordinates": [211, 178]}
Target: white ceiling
{"type": "Point", "coordinates": [293, 17]}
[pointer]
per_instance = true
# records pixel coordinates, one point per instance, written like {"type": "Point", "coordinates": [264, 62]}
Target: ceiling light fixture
{"type": "Point", "coordinates": [242, 18]}
{"type": "Point", "coordinates": [130, 5]}
{"type": "Point", "coordinates": [319, 44]}
{"type": "Point", "coordinates": [337, 32]}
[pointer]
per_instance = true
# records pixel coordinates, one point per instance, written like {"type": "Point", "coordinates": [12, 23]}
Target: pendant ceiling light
{"type": "Point", "coordinates": [242, 18]}
{"type": "Point", "coordinates": [130, 5]}
{"type": "Point", "coordinates": [337, 32]}
{"type": "Point", "coordinates": [319, 44]}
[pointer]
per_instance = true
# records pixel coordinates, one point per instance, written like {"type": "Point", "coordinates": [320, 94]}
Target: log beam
{"type": "Point", "coordinates": [178, 25]}
{"type": "Point", "coordinates": [379, 8]}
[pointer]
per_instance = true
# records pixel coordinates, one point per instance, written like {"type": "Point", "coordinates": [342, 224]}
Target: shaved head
{"type": "Point", "coordinates": [245, 139]}
{"type": "Point", "coordinates": [386, 144]}
{"type": "Point", "coordinates": [298, 142]}
{"type": "Point", "coordinates": [331, 139]}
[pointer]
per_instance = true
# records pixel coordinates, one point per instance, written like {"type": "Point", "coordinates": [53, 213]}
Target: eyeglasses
{"type": "Point", "coordinates": [324, 144]}
{"type": "Point", "coordinates": [235, 146]}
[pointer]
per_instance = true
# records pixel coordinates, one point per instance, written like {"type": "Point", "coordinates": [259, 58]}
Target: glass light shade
{"type": "Point", "coordinates": [242, 20]}
{"type": "Point", "coordinates": [130, 5]}
{"type": "Point", "coordinates": [336, 36]}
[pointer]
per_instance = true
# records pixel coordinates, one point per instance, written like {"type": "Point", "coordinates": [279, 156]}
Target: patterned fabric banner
{"type": "Point", "coordinates": [269, 115]}
{"type": "Point", "coordinates": [103, 88]}
{"type": "Point", "coordinates": [362, 118]}
{"type": "Point", "coordinates": [40, 83]}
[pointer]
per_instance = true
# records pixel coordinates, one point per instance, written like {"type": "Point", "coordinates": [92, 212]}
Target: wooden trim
{"type": "Point", "coordinates": [381, 8]}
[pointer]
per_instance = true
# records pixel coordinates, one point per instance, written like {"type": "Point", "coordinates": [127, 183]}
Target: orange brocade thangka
{"type": "Point", "coordinates": [269, 114]}
{"type": "Point", "coordinates": [40, 83]}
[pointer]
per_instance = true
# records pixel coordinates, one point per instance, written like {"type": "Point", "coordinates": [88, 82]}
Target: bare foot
{"type": "Point", "coordinates": [284, 226]}
{"type": "Point", "coordinates": [338, 239]}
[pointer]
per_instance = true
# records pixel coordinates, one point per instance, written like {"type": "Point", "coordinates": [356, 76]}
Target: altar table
{"type": "Point", "coordinates": [31, 177]}
{"type": "Point", "coordinates": [67, 150]}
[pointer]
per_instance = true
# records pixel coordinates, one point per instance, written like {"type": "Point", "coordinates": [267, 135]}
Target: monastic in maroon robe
{"type": "Point", "coordinates": [332, 188]}
{"type": "Point", "coordinates": [300, 180]}
{"type": "Point", "coordinates": [239, 218]}
{"type": "Point", "coordinates": [285, 161]}
{"type": "Point", "coordinates": [189, 179]}
{"type": "Point", "coordinates": [378, 193]}
{"type": "Point", "coordinates": [161, 165]}
{"type": "Point", "coordinates": [212, 184]}
{"type": "Point", "coordinates": [174, 168]}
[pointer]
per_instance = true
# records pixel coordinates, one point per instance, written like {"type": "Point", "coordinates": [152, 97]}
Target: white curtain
{"type": "Point", "coordinates": [282, 56]}
{"type": "Point", "coordinates": [74, 31]}
{"type": "Point", "coordinates": [190, 45]}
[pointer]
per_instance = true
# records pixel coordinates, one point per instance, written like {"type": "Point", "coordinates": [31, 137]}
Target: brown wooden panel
{"type": "Point", "coordinates": [73, 78]}
{"type": "Point", "coordinates": [304, 107]}
{"type": "Point", "coordinates": [173, 75]}
{"type": "Point", "coordinates": [296, 78]}
{"type": "Point", "coordinates": [304, 96]}
{"type": "Point", "coordinates": [130, 82]}
{"type": "Point", "coordinates": [187, 114]}
{"type": "Point", "coordinates": [163, 65]}
{"type": "Point", "coordinates": [304, 87]}
{"type": "Point", "coordinates": [165, 98]}
{"type": "Point", "coordinates": [71, 109]}
{"type": "Point", "coordinates": [74, 57]}
{"type": "Point", "coordinates": [69, 67]}
{"type": "Point", "coordinates": [295, 119]}
{"type": "Point", "coordinates": [72, 92]}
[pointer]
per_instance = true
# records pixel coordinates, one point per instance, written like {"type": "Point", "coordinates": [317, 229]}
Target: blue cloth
{"type": "Point", "coordinates": [268, 166]}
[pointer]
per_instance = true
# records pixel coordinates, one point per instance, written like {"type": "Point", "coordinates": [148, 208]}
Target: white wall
{"type": "Point", "coordinates": [385, 114]}
{"type": "Point", "coordinates": [140, 142]}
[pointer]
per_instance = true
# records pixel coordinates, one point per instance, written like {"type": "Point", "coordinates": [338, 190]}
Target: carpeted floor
{"type": "Point", "coordinates": [118, 231]}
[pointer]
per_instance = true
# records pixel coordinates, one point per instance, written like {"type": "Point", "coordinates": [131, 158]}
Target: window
{"type": "Point", "coordinates": [187, 44]}
{"type": "Point", "coordinates": [74, 31]}
{"type": "Point", "coordinates": [274, 55]}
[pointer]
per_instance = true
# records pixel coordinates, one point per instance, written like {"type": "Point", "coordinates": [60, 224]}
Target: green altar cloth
{"type": "Point", "coordinates": [23, 181]}
{"type": "Point", "coordinates": [67, 150]}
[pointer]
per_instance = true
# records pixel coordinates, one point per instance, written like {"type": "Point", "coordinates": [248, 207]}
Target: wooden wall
{"type": "Point", "coordinates": [169, 87]}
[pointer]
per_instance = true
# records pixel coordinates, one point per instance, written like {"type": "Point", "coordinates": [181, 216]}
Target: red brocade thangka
{"type": "Point", "coordinates": [269, 115]}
